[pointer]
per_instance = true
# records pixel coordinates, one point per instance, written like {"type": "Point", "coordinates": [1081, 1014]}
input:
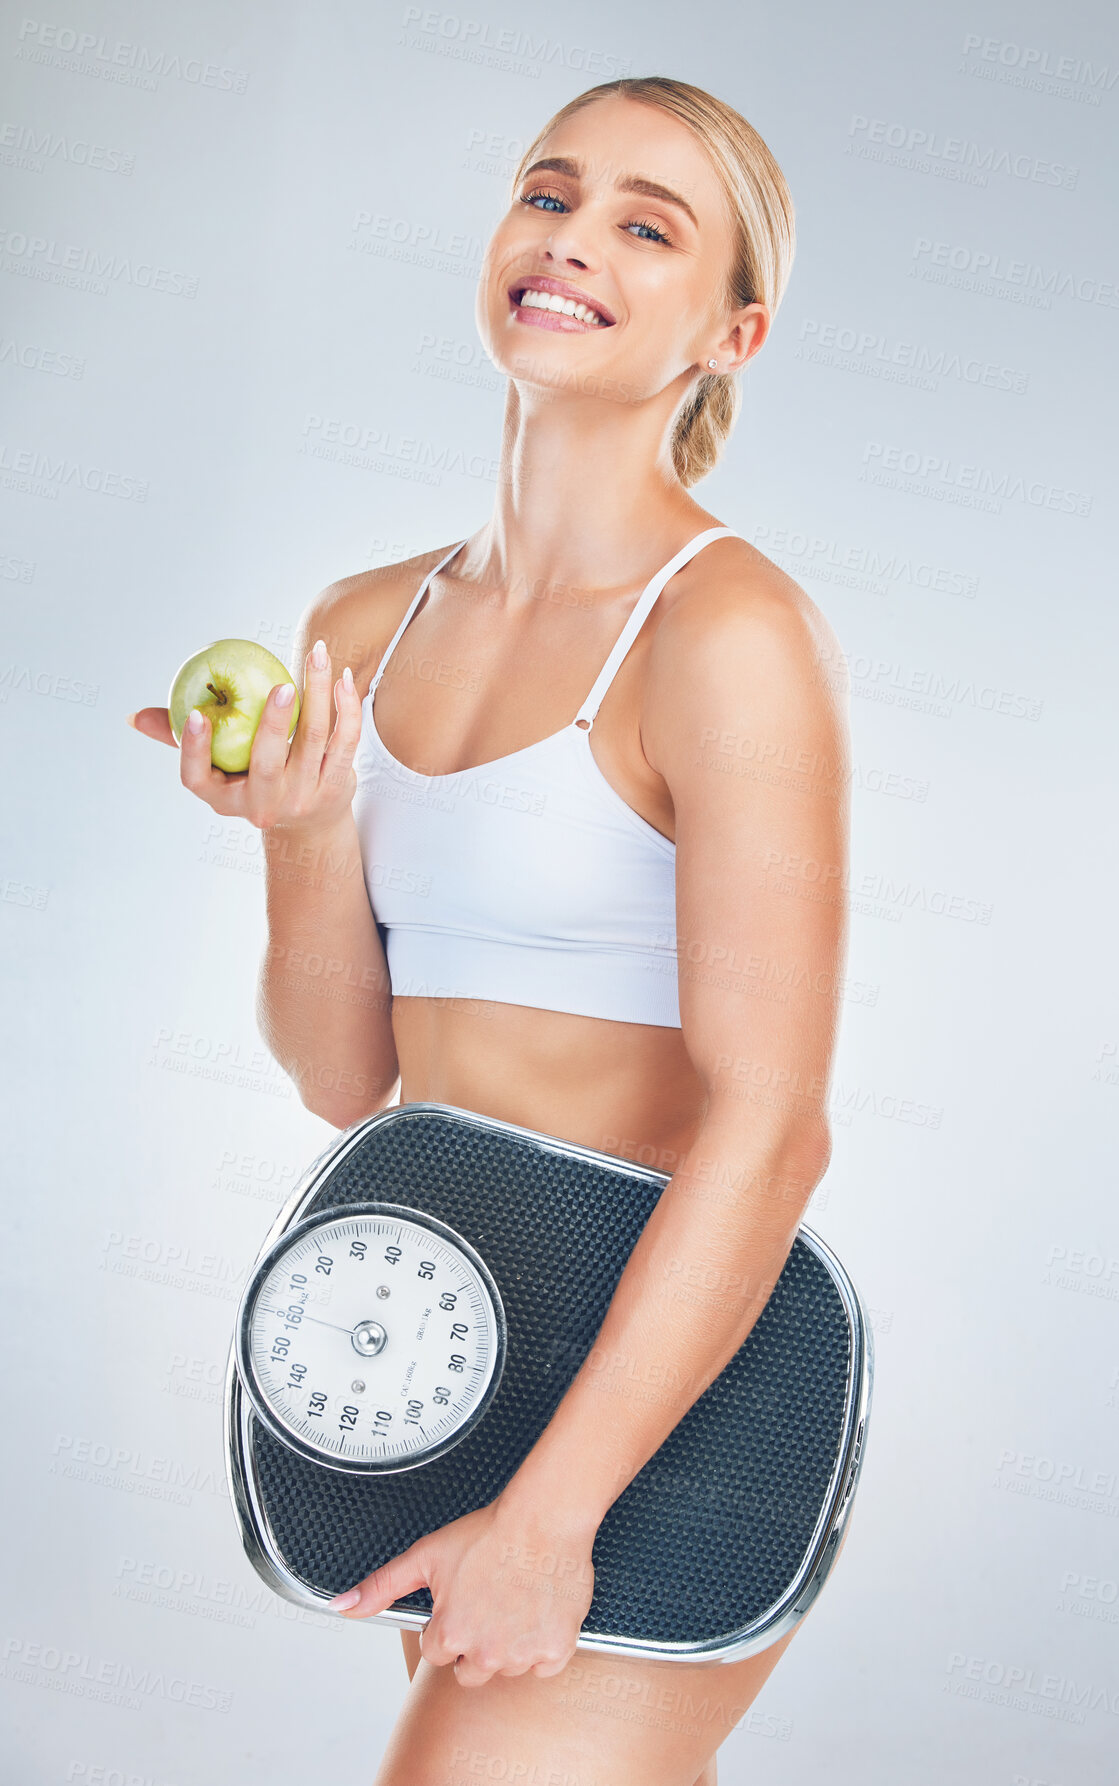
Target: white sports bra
{"type": "Point", "coordinates": [527, 880]}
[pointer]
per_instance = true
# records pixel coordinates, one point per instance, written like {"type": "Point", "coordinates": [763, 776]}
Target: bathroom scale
{"type": "Point", "coordinates": [416, 1314]}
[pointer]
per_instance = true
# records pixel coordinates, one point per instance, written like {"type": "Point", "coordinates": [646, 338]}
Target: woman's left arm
{"type": "Point", "coordinates": [745, 718]}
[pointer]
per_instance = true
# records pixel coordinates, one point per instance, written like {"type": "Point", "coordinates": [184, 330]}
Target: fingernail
{"type": "Point", "coordinates": [194, 722]}
{"type": "Point", "coordinates": [284, 694]}
{"type": "Point", "coordinates": [348, 680]}
{"type": "Point", "coordinates": [341, 1602]}
{"type": "Point", "coordinates": [319, 656]}
{"type": "Point", "coordinates": [131, 719]}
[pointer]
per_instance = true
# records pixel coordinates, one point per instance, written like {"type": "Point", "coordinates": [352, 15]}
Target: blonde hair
{"type": "Point", "coordinates": [763, 246]}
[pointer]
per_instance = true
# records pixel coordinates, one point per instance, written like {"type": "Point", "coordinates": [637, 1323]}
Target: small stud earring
{"type": "Point", "coordinates": [714, 365]}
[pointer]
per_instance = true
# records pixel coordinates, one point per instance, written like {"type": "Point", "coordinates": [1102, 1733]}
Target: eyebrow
{"type": "Point", "coordinates": [564, 164]}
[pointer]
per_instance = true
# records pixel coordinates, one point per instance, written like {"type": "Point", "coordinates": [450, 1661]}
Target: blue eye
{"type": "Point", "coordinates": [531, 197]}
{"type": "Point", "coordinates": [657, 235]}
{"type": "Point", "coordinates": [553, 198]}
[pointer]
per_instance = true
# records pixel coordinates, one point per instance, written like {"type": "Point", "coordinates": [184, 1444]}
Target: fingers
{"type": "Point", "coordinates": [438, 1648]}
{"type": "Point", "coordinates": [479, 1648]}
{"type": "Point", "coordinates": [196, 771]}
{"type": "Point", "coordinates": [153, 722]}
{"type": "Point", "coordinates": [468, 1672]}
{"type": "Point", "coordinates": [269, 754]}
{"type": "Point", "coordinates": [284, 782]}
{"type": "Point", "coordinates": [403, 1575]}
{"type": "Point", "coordinates": [476, 1661]}
{"type": "Point", "coordinates": [315, 714]}
{"type": "Point", "coordinates": [338, 761]}
{"type": "Point", "coordinates": [552, 1667]}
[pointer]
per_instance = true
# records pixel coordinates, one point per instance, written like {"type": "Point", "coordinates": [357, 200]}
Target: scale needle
{"type": "Point", "coordinates": [319, 1322]}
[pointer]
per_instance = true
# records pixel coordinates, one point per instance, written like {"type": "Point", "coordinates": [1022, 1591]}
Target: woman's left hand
{"type": "Point", "coordinates": [509, 1593]}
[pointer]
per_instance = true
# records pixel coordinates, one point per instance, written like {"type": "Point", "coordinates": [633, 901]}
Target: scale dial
{"type": "Point", "coordinates": [370, 1338]}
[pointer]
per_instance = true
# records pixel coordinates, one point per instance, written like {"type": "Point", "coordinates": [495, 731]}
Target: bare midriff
{"type": "Point", "coordinates": [624, 1088]}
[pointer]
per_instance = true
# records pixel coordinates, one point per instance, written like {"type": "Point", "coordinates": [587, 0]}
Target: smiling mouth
{"type": "Point", "coordinates": [570, 313]}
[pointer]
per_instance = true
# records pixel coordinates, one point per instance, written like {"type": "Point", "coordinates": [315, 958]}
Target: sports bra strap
{"type": "Point", "coordinates": [411, 608]}
{"type": "Point", "coordinates": [625, 638]}
{"type": "Point", "coordinates": [637, 617]}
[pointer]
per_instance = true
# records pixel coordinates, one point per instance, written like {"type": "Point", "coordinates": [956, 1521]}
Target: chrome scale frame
{"type": "Point", "coordinates": [263, 1552]}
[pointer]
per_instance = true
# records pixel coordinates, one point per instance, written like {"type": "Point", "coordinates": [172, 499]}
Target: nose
{"type": "Point", "coordinates": [568, 243]}
{"type": "Point", "coordinates": [570, 260]}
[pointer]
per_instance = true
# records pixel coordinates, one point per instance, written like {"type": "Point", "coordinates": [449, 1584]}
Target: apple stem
{"type": "Point", "coordinates": [219, 698]}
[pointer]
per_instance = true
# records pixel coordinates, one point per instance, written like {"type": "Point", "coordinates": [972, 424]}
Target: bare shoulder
{"type": "Point", "coordinates": [741, 638]}
{"type": "Point", "coordinates": [737, 606]}
{"type": "Point", "coordinates": [737, 597]}
{"type": "Point", "coordinates": [356, 616]}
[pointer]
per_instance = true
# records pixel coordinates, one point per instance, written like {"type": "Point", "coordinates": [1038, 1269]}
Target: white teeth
{"type": "Point", "coordinates": [547, 300]}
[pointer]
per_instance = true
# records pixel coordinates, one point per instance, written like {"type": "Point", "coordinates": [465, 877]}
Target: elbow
{"type": "Point", "coordinates": [805, 1147]}
{"type": "Point", "coordinates": [782, 1140]}
{"type": "Point", "coordinates": [342, 1107]}
{"type": "Point", "coordinates": [804, 1157]}
{"type": "Point", "coordinates": [812, 1146]}
{"type": "Point", "coordinates": [778, 1164]}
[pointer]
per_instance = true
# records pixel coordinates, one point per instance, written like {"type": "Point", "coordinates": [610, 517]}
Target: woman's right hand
{"type": "Point", "coordinates": [308, 785]}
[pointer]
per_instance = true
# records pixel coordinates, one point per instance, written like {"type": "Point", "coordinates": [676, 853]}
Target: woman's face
{"type": "Point", "coordinates": [652, 263]}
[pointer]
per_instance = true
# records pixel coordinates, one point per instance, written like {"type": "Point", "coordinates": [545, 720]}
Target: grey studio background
{"type": "Point", "coordinates": [239, 253]}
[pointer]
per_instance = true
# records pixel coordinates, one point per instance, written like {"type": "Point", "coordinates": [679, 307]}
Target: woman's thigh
{"type": "Point", "coordinates": [603, 1721]}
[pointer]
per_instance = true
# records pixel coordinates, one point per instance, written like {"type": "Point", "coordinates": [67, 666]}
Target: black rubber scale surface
{"type": "Point", "coordinates": [715, 1526]}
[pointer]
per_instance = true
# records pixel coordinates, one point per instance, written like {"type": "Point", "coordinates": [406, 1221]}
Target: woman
{"type": "Point", "coordinates": [592, 933]}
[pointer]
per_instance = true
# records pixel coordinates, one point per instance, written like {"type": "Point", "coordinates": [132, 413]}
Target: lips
{"type": "Point", "coordinates": [561, 289]}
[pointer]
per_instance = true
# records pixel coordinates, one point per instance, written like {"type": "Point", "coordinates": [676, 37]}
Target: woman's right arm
{"type": "Point", "coordinates": [324, 1003]}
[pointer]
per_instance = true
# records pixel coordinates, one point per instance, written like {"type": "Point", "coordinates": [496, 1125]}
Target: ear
{"type": "Point", "coordinates": [744, 335]}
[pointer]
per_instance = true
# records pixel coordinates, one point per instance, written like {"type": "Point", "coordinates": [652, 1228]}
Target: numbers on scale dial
{"type": "Point", "coordinates": [438, 1318]}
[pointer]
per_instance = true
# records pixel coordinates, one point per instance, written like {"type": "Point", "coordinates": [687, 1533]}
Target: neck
{"type": "Point", "coordinates": [587, 498]}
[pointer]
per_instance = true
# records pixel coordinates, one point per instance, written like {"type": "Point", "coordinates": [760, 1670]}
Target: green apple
{"type": "Point", "coordinates": [229, 682]}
